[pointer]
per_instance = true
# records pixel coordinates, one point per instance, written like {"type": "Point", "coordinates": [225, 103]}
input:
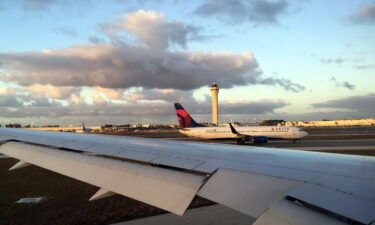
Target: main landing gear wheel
{"type": "Point", "coordinates": [240, 141]}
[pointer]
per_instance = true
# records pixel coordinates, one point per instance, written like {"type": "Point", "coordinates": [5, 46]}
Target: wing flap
{"type": "Point", "coordinates": [285, 212]}
{"type": "Point", "coordinates": [5, 138]}
{"type": "Point", "coordinates": [248, 193]}
{"type": "Point", "coordinates": [166, 189]}
{"type": "Point", "coordinates": [337, 201]}
{"type": "Point", "coordinates": [138, 155]}
{"type": "Point", "coordinates": [178, 160]}
{"type": "Point", "coordinates": [363, 188]}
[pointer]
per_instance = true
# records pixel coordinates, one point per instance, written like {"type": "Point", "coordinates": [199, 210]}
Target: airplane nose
{"type": "Point", "coordinates": [304, 133]}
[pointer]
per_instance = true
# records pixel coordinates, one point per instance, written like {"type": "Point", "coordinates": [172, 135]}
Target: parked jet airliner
{"type": "Point", "coordinates": [254, 134]}
{"type": "Point", "coordinates": [86, 129]}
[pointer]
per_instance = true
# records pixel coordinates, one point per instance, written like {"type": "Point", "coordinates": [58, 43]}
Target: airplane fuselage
{"type": "Point", "coordinates": [281, 132]}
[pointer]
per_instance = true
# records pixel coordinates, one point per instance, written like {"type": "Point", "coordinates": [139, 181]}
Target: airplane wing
{"type": "Point", "coordinates": [274, 186]}
{"type": "Point", "coordinates": [242, 138]}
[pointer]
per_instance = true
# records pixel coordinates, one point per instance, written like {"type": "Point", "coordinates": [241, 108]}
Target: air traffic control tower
{"type": "Point", "coordinates": [214, 94]}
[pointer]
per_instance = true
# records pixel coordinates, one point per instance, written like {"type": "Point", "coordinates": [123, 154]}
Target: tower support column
{"type": "Point", "coordinates": [215, 107]}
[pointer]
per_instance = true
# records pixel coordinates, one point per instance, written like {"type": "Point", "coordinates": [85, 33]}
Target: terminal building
{"type": "Point", "coordinates": [67, 129]}
{"type": "Point", "coordinates": [331, 123]}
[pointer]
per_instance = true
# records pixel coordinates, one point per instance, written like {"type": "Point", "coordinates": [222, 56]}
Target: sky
{"type": "Point", "coordinates": [121, 61]}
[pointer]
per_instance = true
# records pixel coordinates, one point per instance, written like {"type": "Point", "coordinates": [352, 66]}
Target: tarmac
{"type": "Point", "coordinates": [357, 144]}
{"type": "Point", "coordinates": [352, 144]}
{"type": "Point", "coordinates": [210, 215]}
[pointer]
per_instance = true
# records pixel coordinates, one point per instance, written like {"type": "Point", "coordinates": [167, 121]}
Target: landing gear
{"type": "Point", "coordinates": [294, 141]}
{"type": "Point", "coordinates": [241, 141]}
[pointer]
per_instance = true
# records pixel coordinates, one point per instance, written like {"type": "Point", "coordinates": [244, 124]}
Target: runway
{"type": "Point", "coordinates": [321, 143]}
{"type": "Point", "coordinates": [345, 144]}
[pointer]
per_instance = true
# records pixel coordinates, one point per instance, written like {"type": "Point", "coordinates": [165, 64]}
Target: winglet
{"type": "Point", "coordinates": [19, 165]}
{"type": "Point", "coordinates": [234, 131]}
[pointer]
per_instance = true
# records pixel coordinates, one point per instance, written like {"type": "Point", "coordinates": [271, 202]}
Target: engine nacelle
{"type": "Point", "coordinates": [260, 139]}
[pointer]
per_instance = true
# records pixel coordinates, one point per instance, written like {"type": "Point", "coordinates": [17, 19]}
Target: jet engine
{"type": "Point", "coordinates": [260, 139]}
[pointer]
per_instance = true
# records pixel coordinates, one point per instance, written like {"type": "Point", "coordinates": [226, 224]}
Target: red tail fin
{"type": "Point", "coordinates": [184, 118]}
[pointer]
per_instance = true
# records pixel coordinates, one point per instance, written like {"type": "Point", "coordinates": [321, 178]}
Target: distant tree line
{"type": "Point", "coordinates": [271, 122]}
{"type": "Point", "coordinates": [13, 125]}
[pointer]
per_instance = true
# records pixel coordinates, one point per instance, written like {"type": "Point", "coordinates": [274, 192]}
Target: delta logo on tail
{"type": "Point", "coordinates": [184, 117]}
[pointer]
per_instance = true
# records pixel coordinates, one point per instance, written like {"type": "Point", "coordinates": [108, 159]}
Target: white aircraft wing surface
{"type": "Point", "coordinates": [273, 185]}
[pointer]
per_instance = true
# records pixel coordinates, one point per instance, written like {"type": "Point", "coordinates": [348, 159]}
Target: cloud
{"type": "Point", "coordinates": [134, 79]}
{"type": "Point", "coordinates": [121, 65]}
{"type": "Point", "coordinates": [365, 15]}
{"type": "Point", "coordinates": [110, 93]}
{"type": "Point", "coordinates": [344, 84]}
{"type": "Point", "coordinates": [7, 91]}
{"type": "Point", "coordinates": [348, 85]}
{"type": "Point", "coordinates": [165, 95]}
{"type": "Point", "coordinates": [10, 101]}
{"type": "Point", "coordinates": [67, 31]}
{"type": "Point", "coordinates": [364, 103]}
{"type": "Point", "coordinates": [40, 91]}
{"type": "Point", "coordinates": [153, 29]}
{"type": "Point", "coordinates": [237, 107]}
{"type": "Point", "coordinates": [251, 107]}
{"type": "Point", "coordinates": [44, 102]}
{"type": "Point", "coordinates": [36, 95]}
{"type": "Point", "coordinates": [332, 60]}
{"type": "Point", "coordinates": [235, 11]}
{"type": "Point", "coordinates": [97, 101]}
{"type": "Point", "coordinates": [24, 100]}
{"type": "Point", "coordinates": [47, 109]}
{"type": "Point", "coordinates": [43, 5]}
{"type": "Point", "coordinates": [77, 99]}
{"type": "Point", "coordinates": [124, 66]}
{"type": "Point", "coordinates": [85, 110]}
{"type": "Point", "coordinates": [365, 67]}
{"type": "Point", "coordinates": [287, 84]}
{"type": "Point", "coordinates": [96, 40]}
{"type": "Point", "coordinates": [38, 4]}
